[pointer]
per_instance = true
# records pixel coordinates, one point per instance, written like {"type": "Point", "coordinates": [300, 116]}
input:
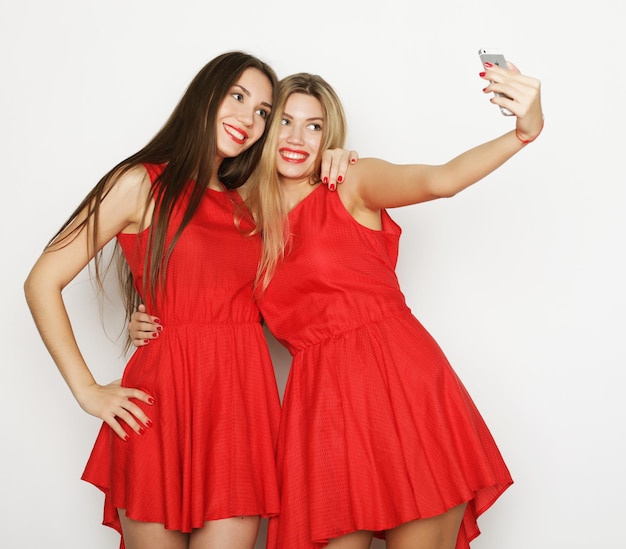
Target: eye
{"type": "Point", "coordinates": [284, 122]}
{"type": "Point", "coordinates": [263, 113]}
{"type": "Point", "coordinates": [238, 96]}
{"type": "Point", "coordinates": [315, 127]}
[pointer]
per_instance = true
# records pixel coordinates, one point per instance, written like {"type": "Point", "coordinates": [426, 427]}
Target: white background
{"type": "Point", "coordinates": [520, 278]}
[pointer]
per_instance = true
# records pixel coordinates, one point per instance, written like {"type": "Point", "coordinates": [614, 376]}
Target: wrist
{"type": "Point", "coordinates": [526, 141]}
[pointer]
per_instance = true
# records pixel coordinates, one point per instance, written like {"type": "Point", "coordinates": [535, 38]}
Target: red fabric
{"type": "Point", "coordinates": [377, 429]}
{"type": "Point", "coordinates": [210, 451]}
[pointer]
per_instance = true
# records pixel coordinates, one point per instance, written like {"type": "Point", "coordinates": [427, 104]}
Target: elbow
{"type": "Point", "coordinates": [35, 287]}
{"type": "Point", "coordinates": [448, 194]}
{"type": "Point", "coordinates": [30, 286]}
{"type": "Point", "coordinates": [443, 187]}
{"type": "Point", "coordinates": [445, 192]}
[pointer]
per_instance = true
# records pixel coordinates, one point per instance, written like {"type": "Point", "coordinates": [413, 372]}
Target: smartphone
{"type": "Point", "coordinates": [495, 57]}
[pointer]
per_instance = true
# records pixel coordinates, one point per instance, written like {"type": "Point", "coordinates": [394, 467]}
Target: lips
{"type": "Point", "coordinates": [237, 135]}
{"type": "Point", "coordinates": [292, 155]}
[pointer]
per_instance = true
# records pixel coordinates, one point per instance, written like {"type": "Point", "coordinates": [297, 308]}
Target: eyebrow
{"type": "Point", "coordinates": [247, 92]}
{"type": "Point", "coordinates": [313, 118]}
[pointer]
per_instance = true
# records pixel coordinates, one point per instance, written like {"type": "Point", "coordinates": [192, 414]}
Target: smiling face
{"type": "Point", "coordinates": [243, 113]}
{"type": "Point", "coordinates": [300, 136]}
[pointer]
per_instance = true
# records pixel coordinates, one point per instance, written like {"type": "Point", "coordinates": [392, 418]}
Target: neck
{"type": "Point", "coordinates": [295, 190]}
{"type": "Point", "coordinates": [214, 182]}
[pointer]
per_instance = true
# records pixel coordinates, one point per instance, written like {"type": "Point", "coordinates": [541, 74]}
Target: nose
{"type": "Point", "coordinates": [295, 135]}
{"type": "Point", "coordinates": [246, 116]}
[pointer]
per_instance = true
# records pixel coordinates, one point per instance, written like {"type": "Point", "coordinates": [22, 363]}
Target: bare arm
{"type": "Point", "coordinates": [379, 184]}
{"type": "Point", "coordinates": [121, 210]}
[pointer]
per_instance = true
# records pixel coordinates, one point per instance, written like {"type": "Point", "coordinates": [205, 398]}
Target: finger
{"type": "Point", "coordinates": [327, 158]}
{"type": "Point", "coordinates": [145, 333]}
{"type": "Point", "coordinates": [140, 342]}
{"type": "Point", "coordinates": [140, 338]}
{"type": "Point", "coordinates": [122, 414]}
{"type": "Point", "coordinates": [496, 72]}
{"type": "Point", "coordinates": [132, 414]}
{"type": "Point", "coordinates": [143, 318]}
{"type": "Point", "coordinates": [141, 329]}
{"type": "Point", "coordinates": [354, 157]}
{"type": "Point", "coordinates": [338, 168]}
{"type": "Point", "coordinates": [138, 394]}
{"type": "Point", "coordinates": [504, 102]}
{"type": "Point", "coordinates": [141, 315]}
{"type": "Point", "coordinates": [117, 428]}
{"type": "Point", "coordinates": [513, 68]}
{"type": "Point", "coordinates": [343, 164]}
{"type": "Point", "coordinates": [524, 97]}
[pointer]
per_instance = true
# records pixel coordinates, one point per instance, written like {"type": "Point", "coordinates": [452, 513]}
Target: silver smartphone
{"type": "Point", "coordinates": [495, 57]}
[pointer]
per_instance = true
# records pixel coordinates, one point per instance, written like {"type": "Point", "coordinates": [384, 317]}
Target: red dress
{"type": "Point", "coordinates": [376, 429]}
{"type": "Point", "coordinates": [210, 452]}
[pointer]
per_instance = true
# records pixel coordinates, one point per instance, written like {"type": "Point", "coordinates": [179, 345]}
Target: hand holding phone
{"type": "Point", "coordinates": [495, 57]}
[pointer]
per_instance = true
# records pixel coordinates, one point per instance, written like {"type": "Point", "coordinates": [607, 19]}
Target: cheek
{"type": "Point", "coordinates": [315, 143]}
{"type": "Point", "coordinates": [257, 132]}
{"type": "Point", "coordinates": [261, 127]}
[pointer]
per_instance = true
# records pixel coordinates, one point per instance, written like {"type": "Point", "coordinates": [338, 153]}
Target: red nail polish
{"type": "Point", "coordinates": [155, 334]}
{"type": "Point", "coordinates": [141, 430]}
{"type": "Point", "coordinates": [326, 180]}
{"type": "Point", "coordinates": [481, 74]}
{"type": "Point", "coordinates": [353, 161]}
{"type": "Point", "coordinates": [146, 341]}
{"type": "Point", "coordinates": [126, 438]}
{"type": "Point", "coordinates": [148, 423]}
{"type": "Point", "coordinates": [488, 65]}
{"type": "Point", "coordinates": [157, 321]}
{"type": "Point", "coordinates": [339, 179]}
{"type": "Point", "coordinates": [150, 400]}
{"type": "Point", "coordinates": [484, 89]}
{"type": "Point", "coordinates": [159, 328]}
{"type": "Point", "coordinates": [331, 186]}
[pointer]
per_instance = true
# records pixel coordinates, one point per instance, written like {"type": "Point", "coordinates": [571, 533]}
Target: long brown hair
{"type": "Point", "coordinates": [264, 195]}
{"type": "Point", "coordinates": [186, 144]}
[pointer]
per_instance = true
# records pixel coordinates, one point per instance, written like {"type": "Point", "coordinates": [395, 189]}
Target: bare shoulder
{"type": "Point", "coordinates": [366, 172]}
{"type": "Point", "coordinates": [129, 192]}
{"type": "Point", "coordinates": [368, 168]}
{"type": "Point", "coordinates": [357, 178]}
{"type": "Point", "coordinates": [134, 181]}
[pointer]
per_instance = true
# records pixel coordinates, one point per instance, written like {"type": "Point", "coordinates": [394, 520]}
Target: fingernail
{"type": "Point", "coordinates": [159, 328]}
{"type": "Point", "coordinates": [146, 341]}
{"type": "Point", "coordinates": [141, 430]}
{"type": "Point", "coordinates": [157, 321]}
{"type": "Point", "coordinates": [339, 179]}
{"type": "Point", "coordinates": [484, 89]}
{"type": "Point", "coordinates": [150, 400]}
{"type": "Point", "coordinates": [126, 438]}
{"type": "Point", "coordinates": [148, 423]}
{"type": "Point", "coordinates": [331, 186]}
{"type": "Point", "coordinates": [155, 334]}
{"type": "Point", "coordinates": [481, 74]}
{"type": "Point", "coordinates": [487, 64]}
{"type": "Point", "coordinates": [353, 161]}
{"type": "Point", "coordinates": [326, 180]}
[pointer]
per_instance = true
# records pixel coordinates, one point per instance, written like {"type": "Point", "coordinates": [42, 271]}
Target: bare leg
{"type": "Point", "coordinates": [230, 533]}
{"type": "Point", "coordinates": [150, 535]}
{"type": "Point", "coordinates": [438, 532]}
{"type": "Point", "coordinates": [354, 540]}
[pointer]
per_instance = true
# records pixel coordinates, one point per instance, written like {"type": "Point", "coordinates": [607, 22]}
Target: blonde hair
{"type": "Point", "coordinates": [263, 190]}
